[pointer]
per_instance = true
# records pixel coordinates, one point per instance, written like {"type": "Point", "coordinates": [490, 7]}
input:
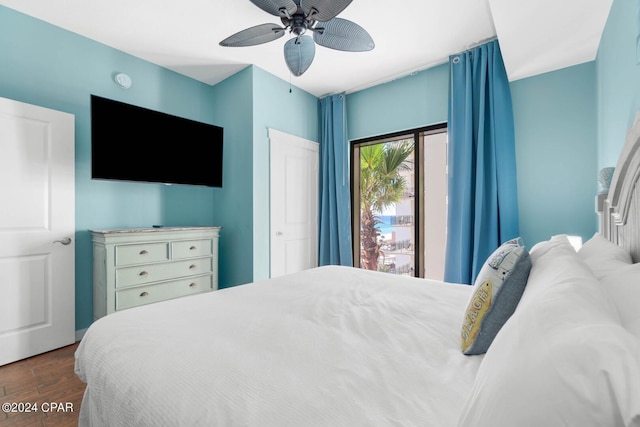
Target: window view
{"type": "Point", "coordinates": [386, 197]}
{"type": "Point", "coordinates": [399, 199]}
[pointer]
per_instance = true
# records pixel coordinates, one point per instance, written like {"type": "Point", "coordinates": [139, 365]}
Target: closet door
{"type": "Point", "coordinates": [37, 230]}
{"type": "Point", "coordinates": [294, 203]}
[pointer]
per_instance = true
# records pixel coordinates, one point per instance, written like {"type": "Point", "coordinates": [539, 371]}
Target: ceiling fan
{"type": "Point", "coordinates": [298, 16]}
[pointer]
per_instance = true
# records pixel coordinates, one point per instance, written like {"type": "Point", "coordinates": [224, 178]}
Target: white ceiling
{"type": "Point", "coordinates": [535, 36]}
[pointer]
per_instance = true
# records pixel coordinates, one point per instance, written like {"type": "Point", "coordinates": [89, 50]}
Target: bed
{"type": "Point", "coordinates": [337, 346]}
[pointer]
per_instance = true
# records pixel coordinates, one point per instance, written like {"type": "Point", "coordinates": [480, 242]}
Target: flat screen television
{"type": "Point", "coordinates": [132, 143]}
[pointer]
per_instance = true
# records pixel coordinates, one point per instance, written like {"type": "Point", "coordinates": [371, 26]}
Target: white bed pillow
{"type": "Point", "coordinates": [556, 261]}
{"type": "Point", "coordinates": [603, 256]}
{"type": "Point", "coordinates": [541, 248]}
{"type": "Point", "coordinates": [599, 246]}
{"type": "Point", "coordinates": [624, 288]}
{"type": "Point", "coordinates": [497, 291]}
{"type": "Point", "coordinates": [562, 359]}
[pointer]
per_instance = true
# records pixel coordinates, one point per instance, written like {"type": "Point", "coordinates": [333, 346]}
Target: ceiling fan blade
{"type": "Point", "coordinates": [277, 7]}
{"type": "Point", "coordinates": [323, 10]}
{"type": "Point", "coordinates": [342, 34]}
{"type": "Point", "coordinates": [299, 53]}
{"type": "Point", "coordinates": [255, 35]}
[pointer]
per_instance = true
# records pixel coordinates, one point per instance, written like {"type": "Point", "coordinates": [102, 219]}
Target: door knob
{"type": "Point", "coordinates": [65, 241]}
{"type": "Point", "coordinates": [279, 233]}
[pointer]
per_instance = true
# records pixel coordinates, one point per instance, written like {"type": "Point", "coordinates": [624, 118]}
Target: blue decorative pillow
{"type": "Point", "coordinates": [497, 291]}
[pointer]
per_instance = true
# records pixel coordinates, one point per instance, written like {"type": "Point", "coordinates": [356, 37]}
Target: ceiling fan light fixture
{"type": "Point", "coordinates": [298, 30]}
{"type": "Point", "coordinates": [299, 53]}
{"type": "Point", "coordinates": [298, 16]}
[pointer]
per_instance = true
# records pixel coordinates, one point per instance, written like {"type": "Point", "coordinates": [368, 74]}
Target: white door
{"type": "Point", "coordinates": [294, 203]}
{"type": "Point", "coordinates": [37, 214]}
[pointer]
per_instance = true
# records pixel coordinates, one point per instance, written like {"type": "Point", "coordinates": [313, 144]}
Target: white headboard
{"type": "Point", "coordinates": [620, 219]}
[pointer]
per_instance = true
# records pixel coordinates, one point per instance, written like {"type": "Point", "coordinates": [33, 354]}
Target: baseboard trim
{"type": "Point", "coordinates": [80, 334]}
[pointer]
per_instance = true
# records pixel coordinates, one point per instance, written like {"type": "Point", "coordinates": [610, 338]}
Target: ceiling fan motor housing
{"type": "Point", "coordinates": [298, 24]}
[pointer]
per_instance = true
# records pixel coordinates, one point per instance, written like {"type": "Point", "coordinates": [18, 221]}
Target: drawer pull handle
{"type": "Point", "coordinates": [192, 285]}
{"type": "Point", "coordinates": [143, 273]}
{"type": "Point", "coordinates": [193, 267]}
{"type": "Point", "coordinates": [144, 294]}
{"type": "Point", "coordinates": [193, 248]}
{"type": "Point", "coordinates": [144, 252]}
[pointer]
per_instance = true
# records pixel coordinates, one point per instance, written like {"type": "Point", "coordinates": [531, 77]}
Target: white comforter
{"type": "Point", "coordinates": [332, 346]}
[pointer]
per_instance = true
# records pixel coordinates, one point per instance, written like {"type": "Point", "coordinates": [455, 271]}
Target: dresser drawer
{"type": "Point", "coordinates": [191, 248]}
{"type": "Point", "coordinates": [141, 274]}
{"type": "Point", "coordinates": [159, 263]}
{"type": "Point", "coordinates": [132, 297]}
{"type": "Point", "coordinates": [142, 253]}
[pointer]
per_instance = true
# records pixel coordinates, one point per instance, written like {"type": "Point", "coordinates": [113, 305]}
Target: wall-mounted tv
{"type": "Point", "coordinates": [132, 143]}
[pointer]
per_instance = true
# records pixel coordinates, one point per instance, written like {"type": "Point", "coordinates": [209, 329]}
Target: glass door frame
{"type": "Point", "coordinates": [418, 137]}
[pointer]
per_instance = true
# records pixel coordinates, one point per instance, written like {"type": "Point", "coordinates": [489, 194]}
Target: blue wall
{"type": "Point", "coordinates": [618, 80]}
{"type": "Point", "coordinates": [294, 112]}
{"type": "Point", "coordinates": [248, 103]}
{"type": "Point", "coordinates": [233, 202]}
{"type": "Point", "coordinates": [556, 153]}
{"type": "Point", "coordinates": [555, 139]}
{"type": "Point", "coordinates": [407, 103]}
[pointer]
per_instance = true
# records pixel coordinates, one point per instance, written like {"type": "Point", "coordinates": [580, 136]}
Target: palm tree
{"type": "Point", "coordinates": [381, 186]}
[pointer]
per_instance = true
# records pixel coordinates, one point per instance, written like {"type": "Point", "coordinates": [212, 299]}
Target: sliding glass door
{"type": "Point", "coordinates": [399, 203]}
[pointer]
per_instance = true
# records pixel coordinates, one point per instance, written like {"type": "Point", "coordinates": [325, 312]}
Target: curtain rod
{"type": "Point", "coordinates": [479, 43]}
{"type": "Point", "coordinates": [416, 70]}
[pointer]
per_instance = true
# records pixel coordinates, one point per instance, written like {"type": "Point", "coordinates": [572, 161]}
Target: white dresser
{"type": "Point", "coordinates": [142, 266]}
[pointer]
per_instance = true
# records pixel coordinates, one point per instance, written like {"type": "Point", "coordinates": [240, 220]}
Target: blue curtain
{"type": "Point", "coordinates": [334, 233]}
{"type": "Point", "coordinates": [483, 202]}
